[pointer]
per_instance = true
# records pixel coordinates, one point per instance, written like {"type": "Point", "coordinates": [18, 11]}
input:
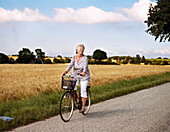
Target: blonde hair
{"type": "Point", "coordinates": [80, 45]}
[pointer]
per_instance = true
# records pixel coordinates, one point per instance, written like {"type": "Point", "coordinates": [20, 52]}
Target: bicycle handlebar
{"type": "Point", "coordinates": [69, 75]}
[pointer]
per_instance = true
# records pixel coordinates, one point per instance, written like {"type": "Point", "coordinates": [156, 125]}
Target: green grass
{"type": "Point", "coordinates": [47, 105]}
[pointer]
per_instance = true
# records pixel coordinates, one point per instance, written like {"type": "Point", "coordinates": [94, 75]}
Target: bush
{"type": "Point", "coordinates": [102, 63]}
{"type": "Point", "coordinates": [67, 60]}
{"type": "Point", "coordinates": [164, 63]}
{"type": "Point", "coordinates": [147, 62]}
{"type": "Point", "coordinates": [125, 62]}
{"type": "Point", "coordinates": [58, 60]}
{"type": "Point", "coordinates": [38, 61]}
{"type": "Point", "coordinates": [134, 62]}
{"type": "Point", "coordinates": [47, 61]}
{"type": "Point", "coordinates": [91, 61]}
{"type": "Point", "coordinates": [3, 58]}
{"type": "Point", "coordinates": [11, 61]}
{"type": "Point", "coordinates": [157, 63]}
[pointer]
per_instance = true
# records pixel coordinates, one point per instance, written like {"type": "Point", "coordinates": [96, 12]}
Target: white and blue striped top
{"type": "Point", "coordinates": [79, 67]}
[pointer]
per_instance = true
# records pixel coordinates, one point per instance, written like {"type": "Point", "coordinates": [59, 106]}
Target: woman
{"type": "Point", "coordinates": [79, 63]}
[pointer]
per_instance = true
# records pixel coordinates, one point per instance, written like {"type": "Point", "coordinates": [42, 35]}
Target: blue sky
{"type": "Point", "coordinates": [57, 26]}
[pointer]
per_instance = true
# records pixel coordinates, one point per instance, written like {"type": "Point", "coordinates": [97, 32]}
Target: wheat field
{"type": "Point", "coordinates": [19, 81]}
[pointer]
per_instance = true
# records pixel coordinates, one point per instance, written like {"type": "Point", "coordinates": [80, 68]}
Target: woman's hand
{"type": "Point", "coordinates": [83, 74]}
{"type": "Point", "coordinates": [64, 73]}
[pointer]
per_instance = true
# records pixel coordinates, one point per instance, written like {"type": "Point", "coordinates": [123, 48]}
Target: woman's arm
{"type": "Point", "coordinates": [70, 65]}
{"type": "Point", "coordinates": [85, 66]}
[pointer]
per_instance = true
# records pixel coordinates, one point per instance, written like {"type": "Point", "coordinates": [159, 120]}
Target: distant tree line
{"type": "Point", "coordinates": [99, 57]}
{"type": "Point", "coordinates": [25, 56]}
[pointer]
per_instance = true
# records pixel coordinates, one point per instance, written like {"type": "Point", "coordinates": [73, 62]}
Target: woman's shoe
{"type": "Point", "coordinates": [82, 110]}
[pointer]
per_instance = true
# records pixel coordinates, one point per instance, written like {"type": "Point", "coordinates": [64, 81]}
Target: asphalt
{"type": "Point", "coordinates": [144, 111]}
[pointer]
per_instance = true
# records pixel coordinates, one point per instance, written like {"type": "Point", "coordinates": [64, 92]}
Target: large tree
{"type": "Point", "coordinates": [99, 55]}
{"type": "Point", "coordinates": [40, 55]}
{"type": "Point", "coordinates": [158, 21]}
{"type": "Point", "coordinates": [25, 56]}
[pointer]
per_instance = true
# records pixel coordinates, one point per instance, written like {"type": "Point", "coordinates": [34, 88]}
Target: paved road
{"type": "Point", "coordinates": [143, 111]}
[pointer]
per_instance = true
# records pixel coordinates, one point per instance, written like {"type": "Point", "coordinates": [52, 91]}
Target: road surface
{"type": "Point", "coordinates": [144, 111]}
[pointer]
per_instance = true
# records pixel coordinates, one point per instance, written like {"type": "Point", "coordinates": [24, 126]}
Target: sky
{"type": "Point", "coordinates": [58, 26]}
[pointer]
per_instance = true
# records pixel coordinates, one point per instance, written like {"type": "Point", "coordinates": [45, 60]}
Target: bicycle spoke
{"type": "Point", "coordinates": [66, 107]}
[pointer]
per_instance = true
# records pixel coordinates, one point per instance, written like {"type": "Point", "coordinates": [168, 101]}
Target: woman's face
{"type": "Point", "coordinates": [80, 50]}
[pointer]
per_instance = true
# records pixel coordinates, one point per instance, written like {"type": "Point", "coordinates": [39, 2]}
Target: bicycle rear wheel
{"type": "Point", "coordinates": [66, 106]}
{"type": "Point", "coordinates": [88, 103]}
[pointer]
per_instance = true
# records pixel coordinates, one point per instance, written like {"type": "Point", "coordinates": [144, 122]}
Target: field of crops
{"type": "Point", "coordinates": [19, 81]}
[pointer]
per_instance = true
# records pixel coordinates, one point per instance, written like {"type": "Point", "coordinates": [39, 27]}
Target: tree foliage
{"type": "Point", "coordinates": [40, 55]}
{"type": "Point", "coordinates": [47, 61]}
{"type": "Point", "coordinates": [99, 55]}
{"type": "Point", "coordinates": [3, 58]}
{"type": "Point", "coordinates": [25, 56]}
{"type": "Point", "coordinates": [143, 59]}
{"type": "Point", "coordinates": [67, 60]}
{"type": "Point", "coordinates": [158, 21]}
{"type": "Point", "coordinates": [59, 56]}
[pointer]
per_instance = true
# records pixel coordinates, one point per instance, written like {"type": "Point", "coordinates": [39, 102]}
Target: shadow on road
{"type": "Point", "coordinates": [101, 114]}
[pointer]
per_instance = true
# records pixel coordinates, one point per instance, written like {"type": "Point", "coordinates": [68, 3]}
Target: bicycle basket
{"type": "Point", "coordinates": [68, 83]}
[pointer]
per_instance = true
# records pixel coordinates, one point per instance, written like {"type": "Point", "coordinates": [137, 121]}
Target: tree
{"type": "Point", "coordinates": [143, 59]}
{"type": "Point", "coordinates": [128, 58]}
{"type": "Point", "coordinates": [138, 58]}
{"type": "Point", "coordinates": [25, 56]}
{"type": "Point", "coordinates": [135, 60]}
{"type": "Point", "coordinates": [59, 56]}
{"type": "Point", "coordinates": [89, 56]}
{"type": "Point", "coordinates": [158, 21]}
{"type": "Point", "coordinates": [40, 55]}
{"type": "Point", "coordinates": [164, 63]}
{"type": "Point", "coordinates": [99, 55]}
{"type": "Point", "coordinates": [3, 58]}
{"type": "Point", "coordinates": [159, 57]}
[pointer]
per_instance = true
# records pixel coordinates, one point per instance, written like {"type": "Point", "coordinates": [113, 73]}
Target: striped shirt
{"type": "Point", "coordinates": [79, 67]}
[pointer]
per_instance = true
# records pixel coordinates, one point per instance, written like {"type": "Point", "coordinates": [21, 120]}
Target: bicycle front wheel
{"type": "Point", "coordinates": [66, 106]}
{"type": "Point", "coordinates": [88, 103]}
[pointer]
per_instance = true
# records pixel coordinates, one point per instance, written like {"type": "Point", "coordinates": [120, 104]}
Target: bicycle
{"type": "Point", "coordinates": [69, 97]}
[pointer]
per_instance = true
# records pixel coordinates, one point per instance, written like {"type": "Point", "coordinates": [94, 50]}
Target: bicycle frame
{"type": "Point", "coordinates": [75, 98]}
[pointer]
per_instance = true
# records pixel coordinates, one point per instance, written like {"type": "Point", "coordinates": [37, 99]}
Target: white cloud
{"type": "Point", "coordinates": [27, 15]}
{"type": "Point", "coordinates": [92, 15]}
{"type": "Point", "coordinates": [147, 53]}
{"type": "Point", "coordinates": [139, 10]}
{"type": "Point", "coordinates": [163, 52]}
{"type": "Point", "coordinates": [89, 15]}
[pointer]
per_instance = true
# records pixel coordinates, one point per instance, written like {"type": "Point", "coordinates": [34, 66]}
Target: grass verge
{"type": "Point", "coordinates": [44, 106]}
